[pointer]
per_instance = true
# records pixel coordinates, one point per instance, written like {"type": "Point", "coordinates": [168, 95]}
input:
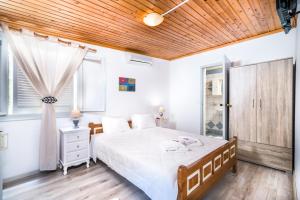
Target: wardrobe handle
{"type": "Point", "coordinates": [260, 105]}
{"type": "Point", "coordinates": [253, 103]}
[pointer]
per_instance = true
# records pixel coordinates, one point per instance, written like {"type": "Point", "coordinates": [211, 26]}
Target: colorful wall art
{"type": "Point", "coordinates": [126, 84]}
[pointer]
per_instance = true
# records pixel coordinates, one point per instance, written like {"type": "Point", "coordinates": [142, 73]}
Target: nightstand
{"type": "Point", "coordinates": [162, 122]}
{"type": "Point", "coordinates": [74, 147]}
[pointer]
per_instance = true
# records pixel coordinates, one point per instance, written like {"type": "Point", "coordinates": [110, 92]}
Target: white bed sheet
{"type": "Point", "coordinates": [137, 155]}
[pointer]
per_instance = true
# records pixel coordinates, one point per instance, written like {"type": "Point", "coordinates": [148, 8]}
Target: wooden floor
{"type": "Point", "coordinates": [99, 182]}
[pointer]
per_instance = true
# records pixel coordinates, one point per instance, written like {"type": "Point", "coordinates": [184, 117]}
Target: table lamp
{"type": "Point", "coordinates": [75, 115]}
{"type": "Point", "coordinates": [161, 111]}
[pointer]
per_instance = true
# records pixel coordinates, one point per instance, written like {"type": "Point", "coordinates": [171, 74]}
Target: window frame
{"type": "Point", "coordinates": [3, 76]}
{"type": "Point", "coordinates": [81, 85]}
{"type": "Point", "coordinates": [4, 91]}
{"type": "Point", "coordinates": [36, 109]}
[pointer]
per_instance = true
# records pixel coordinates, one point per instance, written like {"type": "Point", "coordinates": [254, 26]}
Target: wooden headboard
{"type": "Point", "coordinates": [96, 128]}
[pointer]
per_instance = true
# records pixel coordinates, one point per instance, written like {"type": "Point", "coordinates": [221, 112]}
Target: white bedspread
{"type": "Point", "coordinates": [137, 155]}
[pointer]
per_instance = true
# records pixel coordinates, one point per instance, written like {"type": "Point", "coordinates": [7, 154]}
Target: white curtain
{"type": "Point", "coordinates": [49, 66]}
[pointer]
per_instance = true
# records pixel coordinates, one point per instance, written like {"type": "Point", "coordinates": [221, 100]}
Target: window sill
{"type": "Point", "coordinates": [24, 117]}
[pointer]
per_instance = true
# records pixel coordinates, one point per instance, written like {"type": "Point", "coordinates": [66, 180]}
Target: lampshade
{"type": "Point", "coordinates": [161, 109]}
{"type": "Point", "coordinates": [153, 19]}
{"type": "Point", "coordinates": [75, 114]}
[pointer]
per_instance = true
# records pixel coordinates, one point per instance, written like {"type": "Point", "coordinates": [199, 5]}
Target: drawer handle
{"type": "Point", "coordinates": [77, 155]}
{"type": "Point", "coordinates": [77, 146]}
{"type": "Point", "coordinates": [77, 137]}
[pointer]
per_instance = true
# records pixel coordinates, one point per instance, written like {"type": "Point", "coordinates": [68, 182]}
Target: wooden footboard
{"type": "Point", "coordinates": [197, 178]}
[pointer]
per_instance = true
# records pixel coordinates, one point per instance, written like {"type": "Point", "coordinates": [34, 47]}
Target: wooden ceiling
{"type": "Point", "coordinates": [197, 26]}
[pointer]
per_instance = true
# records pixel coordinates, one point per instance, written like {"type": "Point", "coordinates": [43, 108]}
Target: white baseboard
{"type": "Point", "coordinates": [22, 176]}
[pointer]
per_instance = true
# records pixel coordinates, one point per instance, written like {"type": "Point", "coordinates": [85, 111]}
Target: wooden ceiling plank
{"type": "Point", "coordinates": [212, 13]}
{"type": "Point", "coordinates": [36, 26]}
{"type": "Point", "coordinates": [221, 14]}
{"type": "Point", "coordinates": [249, 11]}
{"type": "Point", "coordinates": [167, 30]}
{"type": "Point", "coordinates": [141, 25]}
{"type": "Point", "coordinates": [51, 22]}
{"type": "Point", "coordinates": [234, 15]}
{"type": "Point", "coordinates": [103, 28]}
{"type": "Point", "coordinates": [237, 7]}
{"type": "Point", "coordinates": [116, 27]}
{"type": "Point", "coordinates": [158, 54]}
{"type": "Point", "coordinates": [184, 18]}
{"type": "Point", "coordinates": [205, 15]}
{"type": "Point", "coordinates": [201, 20]}
{"type": "Point", "coordinates": [165, 27]}
{"type": "Point", "coordinates": [260, 14]}
{"type": "Point", "coordinates": [272, 7]}
{"type": "Point", "coordinates": [182, 27]}
{"type": "Point", "coordinates": [20, 23]}
{"type": "Point", "coordinates": [232, 43]}
{"type": "Point", "coordinates": [106, 39]}
{"type": "Point", "coordinates": [267, 12]}
{"type": "Point", "coordinates": [196, 26]}
{"type": "Point", "coordinates": [74, 37]}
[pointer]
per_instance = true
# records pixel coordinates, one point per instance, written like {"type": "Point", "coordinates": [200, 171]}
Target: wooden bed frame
{"type": "Point", "coordinates": [196, 179]}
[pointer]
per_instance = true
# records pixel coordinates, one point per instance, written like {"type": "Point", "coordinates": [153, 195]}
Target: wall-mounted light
{"type": "Point", "coordinates": [154, 19]}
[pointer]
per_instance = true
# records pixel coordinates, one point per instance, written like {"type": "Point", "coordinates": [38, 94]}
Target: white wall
{"type": "Point", "coordinates": [152, 88]}
{"type": "Point", "coordinates": [186, 78]}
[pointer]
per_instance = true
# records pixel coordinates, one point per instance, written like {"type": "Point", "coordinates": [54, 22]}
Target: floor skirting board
{"type": "Point", "coordinates": [15, 180]}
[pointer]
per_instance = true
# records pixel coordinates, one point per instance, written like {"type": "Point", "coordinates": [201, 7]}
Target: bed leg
{"type": "Point", "coordinates": [234, 168]}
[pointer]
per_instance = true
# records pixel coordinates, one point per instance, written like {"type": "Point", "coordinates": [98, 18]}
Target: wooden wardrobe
{"type": "Point", "coordinates": [261, 112]}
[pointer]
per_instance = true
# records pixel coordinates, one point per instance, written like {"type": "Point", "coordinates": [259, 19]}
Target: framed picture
{"type": "Point", "coordinates": [126, 84]}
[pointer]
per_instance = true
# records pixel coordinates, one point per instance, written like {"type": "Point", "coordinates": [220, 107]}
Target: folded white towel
{"type": "Point", "coordinates": [172, 145]}
{"type": "Point", "coordinates": [181, 144]}
{"type": "Point", "coordinates": [188, 140]}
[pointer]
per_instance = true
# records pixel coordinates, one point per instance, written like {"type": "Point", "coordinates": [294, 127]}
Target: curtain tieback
{"type": "Point", "coordinates": [49, 100]}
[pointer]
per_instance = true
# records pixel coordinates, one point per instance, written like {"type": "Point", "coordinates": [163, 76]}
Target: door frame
{"type": "Point", "coordinates": [225, 64]}
{"type": "Point", "coordinates": [203, 82]}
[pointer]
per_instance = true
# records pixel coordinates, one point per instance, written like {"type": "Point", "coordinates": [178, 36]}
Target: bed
{"type": "Point", "coordinates": [138, 156]}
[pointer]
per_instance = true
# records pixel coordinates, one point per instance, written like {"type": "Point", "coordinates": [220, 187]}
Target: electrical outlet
{"type": "Point", "coordinates": [3, 141]}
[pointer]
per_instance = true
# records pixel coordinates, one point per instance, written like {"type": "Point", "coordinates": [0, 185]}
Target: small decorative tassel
{"type": "Point", "coordinates": [49, 100]}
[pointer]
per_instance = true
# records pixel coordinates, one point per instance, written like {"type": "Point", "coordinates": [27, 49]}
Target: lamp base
{"type": "Point", "coordinates": [76, 122]}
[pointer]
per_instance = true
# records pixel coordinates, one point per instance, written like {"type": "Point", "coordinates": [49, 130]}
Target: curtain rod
{"type": "Point", "coordinates": [58, 39]}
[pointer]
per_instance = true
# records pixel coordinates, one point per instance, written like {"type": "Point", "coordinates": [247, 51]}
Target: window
{"type": "Point", "coordinates": [17, 94]}
{"type": "Point", "coordinates": [3, 76]}
{"type": "Point", "coordinates": [19, 99]}
{"type": "Point", "coordinates": [91, 84]}
{"type": "Point", "coordinates": [23, 99]}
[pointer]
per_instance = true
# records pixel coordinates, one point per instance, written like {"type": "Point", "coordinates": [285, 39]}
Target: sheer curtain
{"type": "Point", "coordinates": [50, 67]}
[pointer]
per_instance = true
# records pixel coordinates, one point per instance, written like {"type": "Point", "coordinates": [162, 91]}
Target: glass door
{"type": "Point", "coordinates": [213, 98]}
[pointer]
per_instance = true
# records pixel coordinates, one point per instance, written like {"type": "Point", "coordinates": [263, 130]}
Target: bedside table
{"type": "Point", "coordinates": [162, 122]}
{"type": "Point", "coordinates": [74, 147]}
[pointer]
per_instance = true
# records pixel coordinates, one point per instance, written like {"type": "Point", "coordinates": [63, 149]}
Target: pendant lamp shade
{"type": "Point", "coordinates": [153, 19]}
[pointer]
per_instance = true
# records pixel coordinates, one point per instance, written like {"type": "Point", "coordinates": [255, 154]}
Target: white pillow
{"type": "Point", "coordinates": [114, 124]}
{"type": "Point", "coordinates": [142, 121]}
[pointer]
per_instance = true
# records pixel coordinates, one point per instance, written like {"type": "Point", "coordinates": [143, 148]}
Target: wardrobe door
{"type": "Point", "coordinates": [275, 102]}
{"type": "Point", "coordinates": [242, 114]}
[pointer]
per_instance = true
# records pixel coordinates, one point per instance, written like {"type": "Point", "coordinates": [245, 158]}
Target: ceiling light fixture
{"type": "Point", "coordinates": [154, 19]}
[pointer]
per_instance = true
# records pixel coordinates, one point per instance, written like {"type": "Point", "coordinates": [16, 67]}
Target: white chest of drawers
{"type": "Point", "coordinates": [74, 147]}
